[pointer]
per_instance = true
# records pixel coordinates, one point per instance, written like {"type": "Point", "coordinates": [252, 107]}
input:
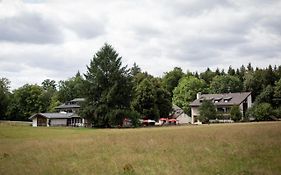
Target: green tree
{"type": "Point", "coordinates": [26, 101]}
{"type": "Point", "coordinates": [145, 99]}
{"type": "Point", "coordinates": [49, 84]}
{"type": "Point", "coordinates": [4, 97]}
{"type": "Point", "coordinates": [208, 75]}
{"type": "Point", "coordinates": [186, 91]}
{"type": "Point", "coordinates": [261, 111]}
{"type": "Point", "coordinates": [266, 95]}
{"type": "Point", "coordinates": [225, 84]}
{"type": "Point", "coordinates": [207, 111]}
{"type": "Point", "coordinates": [172, 78]}
{"type": "Point", "coordinates": [107, 87]}
{"type": "Point", "coordinates": [164, 99]}
{"type": "Point", "coordinates": [277, 112]}
{"type": "Point", "coordinates": [250, 68]}
{"type": "Point", "coordinates": [54, 102]}
{"type": "Point", "coordinates": [231, 71]}
{"type": "Point", "coordinates": [50, 90]}
{"type": "Point", "coordinates": [151, 99]}
{"type": "Point", "coordinates": [277, 89]}
{"type": "Point", "coordinates": [135, 70]}
{"type": "Point", "coordinates": [235, 113]}
{"type": "Point", "coordinates": [241, 73]}
{"type": "Point", "coordinates": [269, 76]}
{"type": "Point", "coordinates": [218, 71]}
{"type": "Point", "coordinates": [256, 81]}
{"type": "Point", "coordinates": [71, 88]}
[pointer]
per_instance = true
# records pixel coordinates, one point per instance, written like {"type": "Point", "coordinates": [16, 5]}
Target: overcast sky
{"type": "Point", "coordinates": [53, 39]}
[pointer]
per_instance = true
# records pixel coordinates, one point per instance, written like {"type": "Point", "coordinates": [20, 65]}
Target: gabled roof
{"type": "Point", "coordinates": [177, 111]}
{"type": "Point", "coordinates": [176, 108]}
{"type": "Point", "coordinates": [227, 99]}
{"type": "Point", "coordinates": [54, 115]}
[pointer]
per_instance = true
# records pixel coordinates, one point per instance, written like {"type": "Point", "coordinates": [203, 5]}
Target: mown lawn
{"type": "Point", "coordinates": [249, 148]}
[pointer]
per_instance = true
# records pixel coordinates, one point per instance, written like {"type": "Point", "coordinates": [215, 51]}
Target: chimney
{"type": "Point", "coordinates": [198, 95]}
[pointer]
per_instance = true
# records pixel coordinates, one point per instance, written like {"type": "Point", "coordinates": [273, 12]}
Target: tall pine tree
{"type": "Point", "coordinates": [107, 87]}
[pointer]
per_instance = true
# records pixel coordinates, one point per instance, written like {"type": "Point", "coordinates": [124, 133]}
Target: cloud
{"type": "Point", "coordinates": [55, 38]}
{"type": "Point", "coordinates": [87, 28]}
{"type": "Point", "coordinates": [29, 28]}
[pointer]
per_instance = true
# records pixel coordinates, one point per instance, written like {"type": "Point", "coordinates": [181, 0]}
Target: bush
{"type": "Point", "coordinates": [277, 112]}
{"type": "Point", "coordinates": [261, 111]}
{"type": "Point", "coordinates": [134, 116]}
{"type": "Point", "coordinates": [207, 111]}
{"type": "Point", "coordinates": [117, 117]}
{"type": "Point", "coordinates": [235, 113]}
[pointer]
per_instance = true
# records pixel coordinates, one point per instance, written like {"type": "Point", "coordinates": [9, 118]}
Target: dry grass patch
{"type": "Point", "coordinates": [253, 148]}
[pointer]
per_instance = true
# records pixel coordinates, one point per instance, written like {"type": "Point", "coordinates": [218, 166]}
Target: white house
{"type": "Point", "coordinates": [223, 103]}
{"type": "Point", "coordinates": [66, 115]}
{"type": "Point", "coordinates": [57, 119]}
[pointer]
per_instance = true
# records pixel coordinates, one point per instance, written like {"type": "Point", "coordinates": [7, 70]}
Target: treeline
{"type": "Point", "coordinates": [113, 91]}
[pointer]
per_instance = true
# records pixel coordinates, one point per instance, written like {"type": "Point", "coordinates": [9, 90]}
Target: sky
{"type": "Point", "coordinates": [53, 39]}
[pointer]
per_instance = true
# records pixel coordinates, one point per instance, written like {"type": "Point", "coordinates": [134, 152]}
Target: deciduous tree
{"type": "Point", "coordinates": [186, 91]}
{"type": "Point", "coordinates": [4, 97]}
{"type": "Point", "coordinates": [171, 79]}
{"type": "Point", "coordinates": [225, 84]}
{"type": "Point", "coordinates": [26, 101]}
{"type": "Point", "coordinates": [71, 88]}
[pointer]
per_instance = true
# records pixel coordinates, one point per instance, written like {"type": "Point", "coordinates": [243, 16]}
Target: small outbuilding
{"type": "Point", "coordinates": [57, 119]}
{"type": "Point", "coordinates": [180, 116]}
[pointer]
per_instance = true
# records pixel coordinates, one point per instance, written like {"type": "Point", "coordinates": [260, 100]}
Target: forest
{"type": "Point", "coordinates": [113, 91]}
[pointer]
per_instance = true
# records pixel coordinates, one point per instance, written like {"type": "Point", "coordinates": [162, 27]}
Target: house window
{"type": "Point", "coordinates": [218, 99]}
{"type": "Point", "coordinates": [227, 99]}
{"type": "Point", "coordinates": [220, 110]}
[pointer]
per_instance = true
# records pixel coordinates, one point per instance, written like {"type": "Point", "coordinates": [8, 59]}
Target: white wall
{"type": "Point", "coordinates": [184, 119]}
{"type": "Point", "coordinates": [194, 112]}
{"type": "Point", "coordinates": [34, 122]}
{"type": "Point", "coordinates": [58, 122]}
{"type": "Point", "coordinates": [249, 101]}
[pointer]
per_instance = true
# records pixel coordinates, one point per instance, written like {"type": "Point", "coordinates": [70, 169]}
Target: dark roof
{"type": "Point", "coordinates": [227, 99]}
{"type": "Point", "coordinates": [54, 115]}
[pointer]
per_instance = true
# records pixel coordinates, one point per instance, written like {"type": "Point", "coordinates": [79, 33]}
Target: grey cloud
{"type": "Point", "coordinates": [195, 7]}
{"type": "Point", "coordinates": [88, 28]}
{"type": "Point", "coordinates": [144, 32]}
{"type": "Point", "coordinates": [272, 24]}
{"type": "Point", "coordinates": [259, 52]}
{"type": "Point", "coordinates": [194, 34]}
{"type": "Point", "coordinates": [11, 67]}
{"type": "Point", "coordinates": [29, 28]}
{"type": "Point", "coordinates": [33, 1]}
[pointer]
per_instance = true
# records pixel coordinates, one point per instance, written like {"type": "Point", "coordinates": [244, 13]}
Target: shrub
{"type": "Point", "coordinates": [235, 113]}
{"type": "Point", "coordinates": [277, 112]}
{"type": "Point", "coordinates": [261, 111]}
{"type": "Point", "coordinates": [207, 111]}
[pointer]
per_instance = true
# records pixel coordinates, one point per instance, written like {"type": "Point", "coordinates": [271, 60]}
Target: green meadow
{"type": "Point", "coordinates": [245, 148]}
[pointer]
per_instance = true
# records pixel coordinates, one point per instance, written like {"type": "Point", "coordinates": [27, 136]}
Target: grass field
{"type": "Point", "coordinates": [249, 148]}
